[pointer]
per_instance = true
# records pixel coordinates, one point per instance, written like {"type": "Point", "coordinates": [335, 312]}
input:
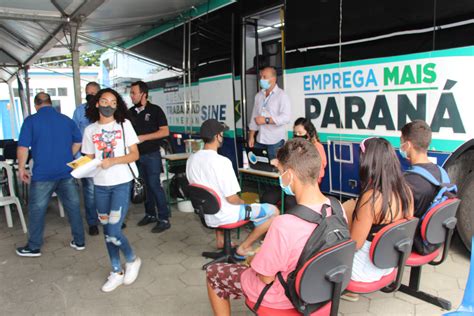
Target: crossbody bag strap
{"type": "Point", "coordinates": [125, 151]}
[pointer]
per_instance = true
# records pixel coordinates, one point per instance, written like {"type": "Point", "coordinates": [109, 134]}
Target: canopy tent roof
{"type": "Point", "coordinates": [31, 29]}
{"type": "Point", "coordinates": [314, 30]}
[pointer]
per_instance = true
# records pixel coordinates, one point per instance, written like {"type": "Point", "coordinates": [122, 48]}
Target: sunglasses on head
{"type": "Point", "coordinates": [362, 144]}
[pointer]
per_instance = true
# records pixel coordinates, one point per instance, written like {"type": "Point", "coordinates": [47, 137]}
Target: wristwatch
{"type": "Point", "coordinates": [267, 120]}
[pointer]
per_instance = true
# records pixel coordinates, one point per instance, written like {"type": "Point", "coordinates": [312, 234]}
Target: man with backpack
{"type": "Point", "coordinates": [428, 181]}
{"type": "Point", "coordinates": [289, 237]}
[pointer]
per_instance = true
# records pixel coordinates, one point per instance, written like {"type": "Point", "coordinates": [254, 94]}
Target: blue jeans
{"type": "Point", "coordinates": [150, 170]}
{"type": "Point", "coordinates": [272, 149]}
{"type": "Point", "coordinates": [40, 194]}
{"type": "Point", "coordinates": [112, 207]}
{"type": "Point", "coordinates": [89, 203]}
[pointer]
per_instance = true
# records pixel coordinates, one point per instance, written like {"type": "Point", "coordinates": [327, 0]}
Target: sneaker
{"type": "Point", "coordinates": [131, 271]}
{"type": "Point", "coordinates": [161, 227]}
{"type": "Point", "coordinates": [93, 230]}
{"type": "Point", "coordinates": [27, 252]}
{"type": "Point", "coordinates": [77, 246]}
{"type": "Point", "coordinates": [114, 280]}
{"type": "Point", "coordinates": [147, 220]}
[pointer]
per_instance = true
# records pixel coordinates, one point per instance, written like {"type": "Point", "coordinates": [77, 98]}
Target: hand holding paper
{"type": "Point", "coordinates": [84, 167]}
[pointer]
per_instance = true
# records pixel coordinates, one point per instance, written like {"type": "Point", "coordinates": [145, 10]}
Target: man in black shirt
{"type": "Point", "coordinates": [414, 143]}
{"type": "Point", "coordinates": [150, 124]}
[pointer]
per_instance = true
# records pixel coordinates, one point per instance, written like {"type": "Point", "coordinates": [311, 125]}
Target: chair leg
{"type": "Point", "coordinates": [20, 213]}
{"type": "Point", "coordinates": [8, 215]}
{"type": "Point", "coordinates": [413, 290]}
{"type": "Point", "coordinates": [224, 259]}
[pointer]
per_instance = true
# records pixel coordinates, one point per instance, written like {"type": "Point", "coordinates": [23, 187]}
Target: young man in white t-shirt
{"type": "Point", "coordinates": [208, 168]}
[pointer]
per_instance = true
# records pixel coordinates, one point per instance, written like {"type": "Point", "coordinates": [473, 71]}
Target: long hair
{"type": "Point", "coordinates": [308, 127]}
{"type": "Point", "coordinates": [92, 112]}
{"type": "Point", "coordinates": [380, 172]}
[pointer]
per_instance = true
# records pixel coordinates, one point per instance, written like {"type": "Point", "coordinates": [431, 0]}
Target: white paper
{"type": "Point", "coordinates": [88, 170]}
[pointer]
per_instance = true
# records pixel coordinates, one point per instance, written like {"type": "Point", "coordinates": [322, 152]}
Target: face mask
{"type": "Point", "coordinates": [89, 98]}
{"type": "Point", "coordinates": [403, 153]}
{"type": "Point", "coordinates": [107, 111]}
{"type": "Point", "coordinates": [286, 189]}
{"type": "Point", "coordinates": [264, 84]}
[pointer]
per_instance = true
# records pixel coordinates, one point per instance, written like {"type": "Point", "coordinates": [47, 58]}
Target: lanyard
{"type": "Point", "coordinates": [265, 101]}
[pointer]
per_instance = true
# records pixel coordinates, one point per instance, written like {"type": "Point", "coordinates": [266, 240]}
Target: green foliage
{"type": "Point", "coordinates": [85, 59]}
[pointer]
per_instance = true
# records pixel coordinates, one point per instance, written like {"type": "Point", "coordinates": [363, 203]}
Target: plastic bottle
{"type": "Point", "coordinates": [245, 160]}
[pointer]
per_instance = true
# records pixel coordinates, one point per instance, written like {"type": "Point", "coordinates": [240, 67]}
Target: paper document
{"type": "Point", "coordinates": [84, 167]}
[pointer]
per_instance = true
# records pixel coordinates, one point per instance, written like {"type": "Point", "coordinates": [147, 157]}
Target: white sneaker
{"type": "Point", "coordinates": [114, 280]}
{"type": "Point", "coordinates": [131, 271]}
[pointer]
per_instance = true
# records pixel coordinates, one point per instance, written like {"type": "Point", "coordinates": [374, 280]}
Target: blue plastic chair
{"type": "Point", "coordinates": [467, 305]}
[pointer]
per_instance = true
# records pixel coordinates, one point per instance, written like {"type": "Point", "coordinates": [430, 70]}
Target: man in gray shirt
{"type": "Point", "coordinates": [271, 113]}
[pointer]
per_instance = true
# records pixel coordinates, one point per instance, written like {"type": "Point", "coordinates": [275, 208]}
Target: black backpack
{"type": "Point", "coordinates": [331, 230]}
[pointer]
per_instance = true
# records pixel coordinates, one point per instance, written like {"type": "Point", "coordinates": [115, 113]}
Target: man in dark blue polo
{"type": "Point", "coordinates": [54, 139]}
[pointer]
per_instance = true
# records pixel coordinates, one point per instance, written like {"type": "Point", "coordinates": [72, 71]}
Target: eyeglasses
{"type": "Point", "coordinates": [362, 144]}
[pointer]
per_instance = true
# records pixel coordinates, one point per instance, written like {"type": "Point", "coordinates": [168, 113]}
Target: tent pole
{"type": "Point", "coordinates": [12, 110]}
{"type": "Point", "coordinates": [76, 71]}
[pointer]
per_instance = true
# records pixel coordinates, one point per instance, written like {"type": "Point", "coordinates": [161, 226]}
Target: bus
{"type": "Point", "coordinates": [356, 69]}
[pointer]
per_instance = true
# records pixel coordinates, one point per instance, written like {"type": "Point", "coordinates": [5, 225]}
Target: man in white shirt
{"type": "Point", "coordinates": [271, 113]}
{"type": "Point", "coordinates": [208, 168]}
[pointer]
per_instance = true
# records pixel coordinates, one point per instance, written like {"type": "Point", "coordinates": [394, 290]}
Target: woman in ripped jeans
{"type": "Point", "coordinates": [112, 140]}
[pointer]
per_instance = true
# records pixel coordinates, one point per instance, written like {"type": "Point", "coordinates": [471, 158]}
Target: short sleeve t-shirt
{"type": "Point", "coordinates": [423, 191]}
{"type": "Point", "coordinates": [208, 168]}
{"type": "Point", "coordinates": [280, 252]}
{"type": "Point", "coordinates": [147, 121]}
{"type": "Point", "coordinates": [50, 136]}
{"type": "Point", "coordinates": [106, 141]}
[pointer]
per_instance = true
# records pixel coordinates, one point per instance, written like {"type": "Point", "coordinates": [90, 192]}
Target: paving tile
{"type": "Point", "coordinates": [170, 258]}
{"type": "Point", "coordinates": [64, 281]}
{"type": "Point", "coordinates": [437, 281]}
{"type": "Point", "coordinates": [194, 262]}
{"type": "Point", "coordinates": [453, 269]}
{"type": "Point", "coordinates": [361, 306]}
{"type": "Point", "coordinates": [193, 277]}
{"type": "Point", "coordinates": [454, 296]}
{"type": "Point", "coordinates": [391, 306]}
{"type": "Point", "coordinates": [428, 310]}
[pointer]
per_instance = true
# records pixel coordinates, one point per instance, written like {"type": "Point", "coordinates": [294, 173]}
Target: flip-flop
{"type": "Point", "coordinates": [243, 257]}
{"type": "Point", "coordinates": [350, 298]}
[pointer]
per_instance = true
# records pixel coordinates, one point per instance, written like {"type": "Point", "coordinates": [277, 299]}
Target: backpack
{"type": "Point", "coordinates": [331, 230]}
{"type": "Point", "coordinates": [179, 186]}
{"type": "Point", "coordinates": [446, 190]}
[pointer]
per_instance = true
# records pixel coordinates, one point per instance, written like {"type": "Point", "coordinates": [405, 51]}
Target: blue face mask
{"type": "Point", "coordinates": [264, 84]}
{"type": "Point", "coordinates": [286, 189]}
{"type": "Point", "coordinates": [403, 153]}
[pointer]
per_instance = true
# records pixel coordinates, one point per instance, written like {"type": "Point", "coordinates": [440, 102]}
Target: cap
{"type": "Point", "coordinates": [212, 127]}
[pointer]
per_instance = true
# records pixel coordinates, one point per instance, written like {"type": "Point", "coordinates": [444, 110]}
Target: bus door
{"type": "Point", "coordinates": [262, 46]}
{"type": "Point", "coordinates": [343, 162]}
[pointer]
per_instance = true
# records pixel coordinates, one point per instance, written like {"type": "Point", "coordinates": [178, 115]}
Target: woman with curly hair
{"type": "Point", "coordinates": [112, 139]}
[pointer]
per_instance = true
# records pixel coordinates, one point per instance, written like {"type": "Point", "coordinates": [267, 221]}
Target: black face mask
{"type": "Point", "coordinates": [107, 111]}
{"type": "Point", "coordinates": [301, 136]}
{"type": "Point", "coordinates": [89, 98]}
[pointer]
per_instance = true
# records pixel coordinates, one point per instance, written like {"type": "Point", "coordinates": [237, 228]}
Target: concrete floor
{"type": "Point", "coordinates": [64, 281]}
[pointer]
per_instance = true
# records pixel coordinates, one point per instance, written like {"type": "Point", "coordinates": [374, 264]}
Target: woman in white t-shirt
{"type": "Point", "coordinates": [112, 139]}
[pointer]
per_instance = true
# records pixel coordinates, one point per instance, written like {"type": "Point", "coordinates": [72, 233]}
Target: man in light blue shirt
{"type": "Point", "coordinates": [82, 122]}
{"type": "Point", "coordinates": [271, 114]}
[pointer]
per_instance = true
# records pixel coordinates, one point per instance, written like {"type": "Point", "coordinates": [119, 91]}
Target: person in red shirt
{"type": "Point", "coordinates": [298, 164]}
